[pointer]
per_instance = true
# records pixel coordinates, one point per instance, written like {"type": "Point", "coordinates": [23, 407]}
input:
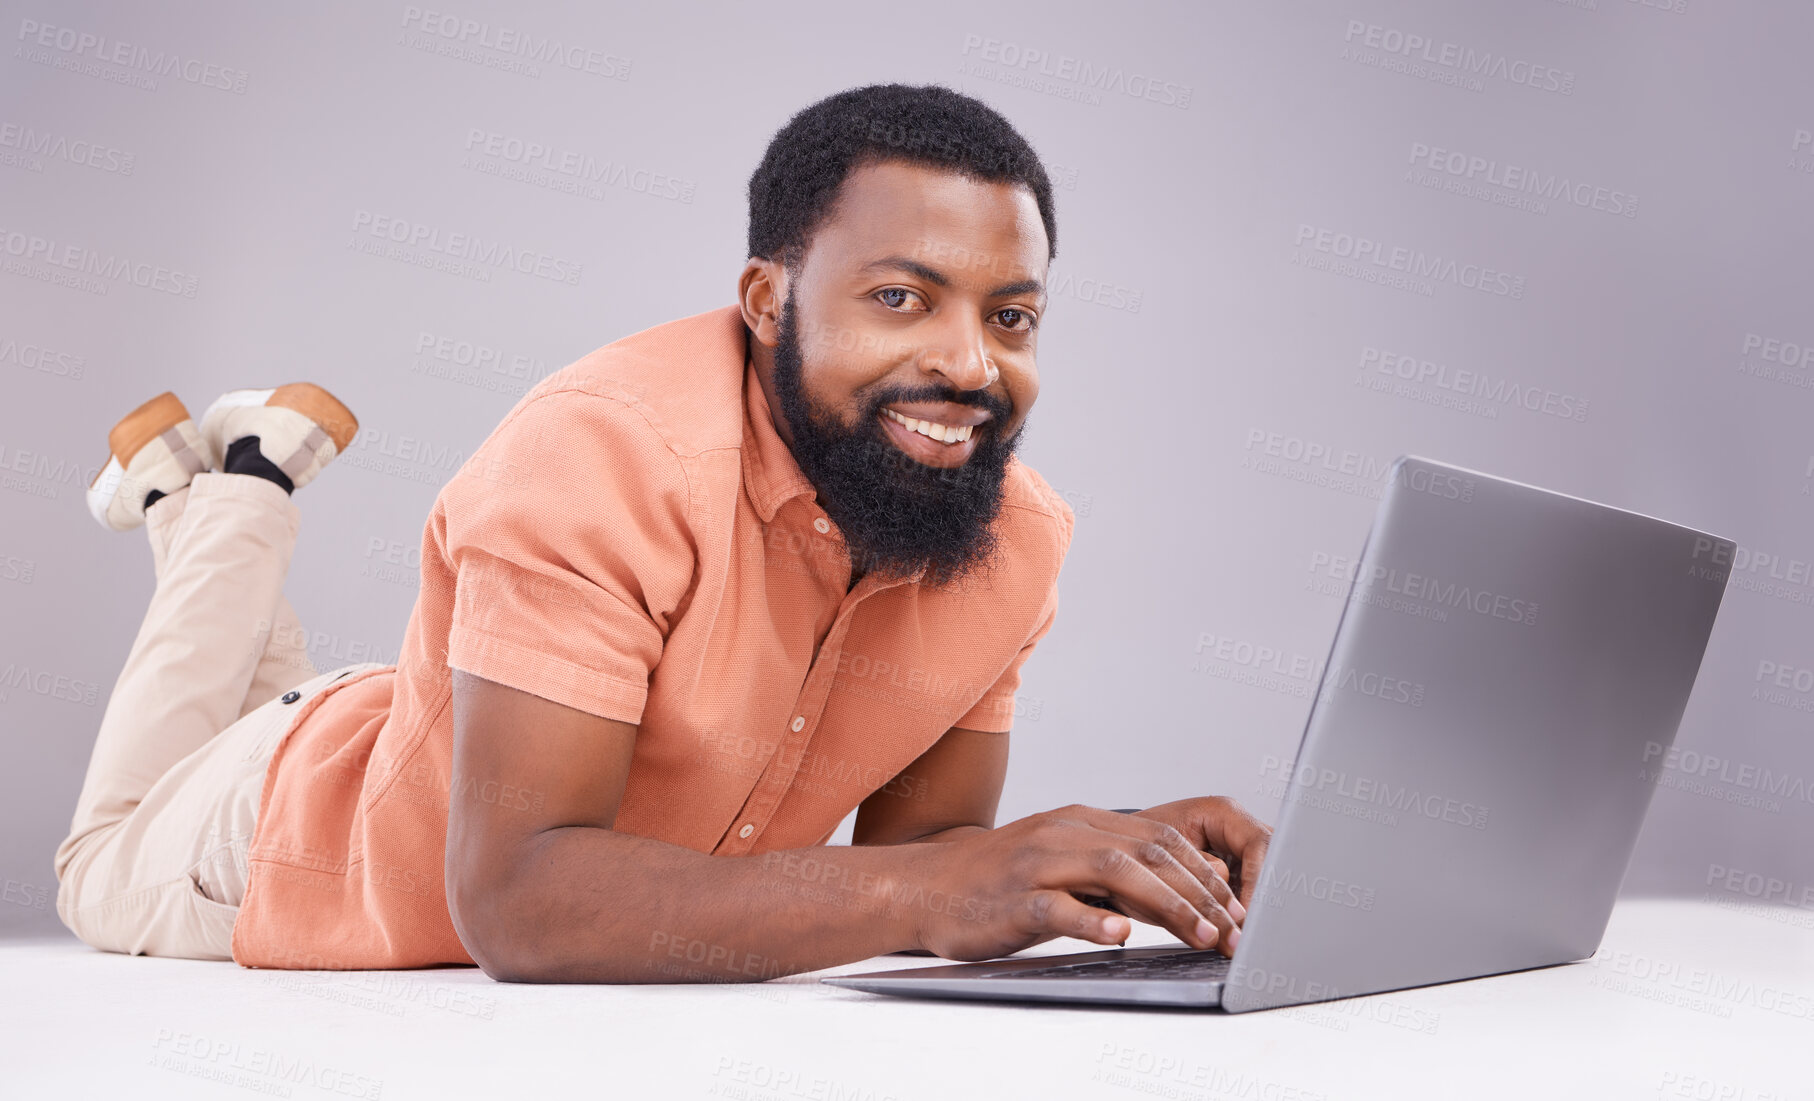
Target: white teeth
{"type": "Point", "coordinates": [943, 433]}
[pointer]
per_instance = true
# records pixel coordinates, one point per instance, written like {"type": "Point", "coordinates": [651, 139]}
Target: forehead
{"type": "Point", "coordinates": [972, 230]}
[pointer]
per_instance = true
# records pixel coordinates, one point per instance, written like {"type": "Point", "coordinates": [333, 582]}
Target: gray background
{"type": "Point", "coordinates": [1198, 345]}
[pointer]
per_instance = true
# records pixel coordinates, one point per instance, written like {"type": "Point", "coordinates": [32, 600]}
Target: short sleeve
{"type": "Point", "coordinates": [994, 713]}
{"type": "Point", "coordinates": [568, 535]}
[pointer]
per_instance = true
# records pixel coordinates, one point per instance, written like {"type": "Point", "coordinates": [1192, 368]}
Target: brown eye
{"type": "Point", "coordinates": [1014, 316]}
{"type": "Point", "coordinates": [895, 297]}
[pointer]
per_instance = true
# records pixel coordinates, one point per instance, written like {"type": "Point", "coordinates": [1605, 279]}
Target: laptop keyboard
{"type": "Point", "coordinates": [1207, 964]}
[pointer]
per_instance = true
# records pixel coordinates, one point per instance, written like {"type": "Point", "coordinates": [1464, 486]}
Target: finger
{"type": "Point", "coordinates": [1233, 905]}
{"type": "Point", "coordinates": [1177, 844]}
{"type": "Point", "coordinates": [1143, 894]}
{"type": "Point", "coordinates": [1057, 914]}
{"type": "Point", "coordinates": [1252, 859]}
{"type": "Point", "coordinates": [1236, 905]}
{"type": "Point", "coordinates": [1220, 824]}
{"type": "Point", "coordinates": [1208, 888]}
{"type": "Point", "coordinates": [1182, 872]}
{"type": "Point", "coordinates": [1101, 902]}
{"type": "Point", "coordinates": [1192, 874]}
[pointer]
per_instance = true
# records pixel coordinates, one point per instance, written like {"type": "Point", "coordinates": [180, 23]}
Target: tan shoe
{"type": "Point", "coordinates": [300, 427]}
{"type": "Point", "coordinates": [156, 446]}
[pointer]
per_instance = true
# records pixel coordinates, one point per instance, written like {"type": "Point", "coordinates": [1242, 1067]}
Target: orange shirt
{"type": "Point", "coordinates": [635, 540]}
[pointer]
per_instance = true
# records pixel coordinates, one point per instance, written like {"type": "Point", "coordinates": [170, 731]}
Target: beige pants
{"type": "Point", "coordinates": [155, 860]}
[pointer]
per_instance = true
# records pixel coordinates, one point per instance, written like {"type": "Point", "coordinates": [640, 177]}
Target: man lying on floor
{"type": "Point", "coordinates": [700, 595]}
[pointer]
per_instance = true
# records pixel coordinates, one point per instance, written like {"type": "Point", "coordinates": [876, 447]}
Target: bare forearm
{"type": "Point", "coordinates": [938, 836]}
{"type": "Point", "coordinates": [593, 905]}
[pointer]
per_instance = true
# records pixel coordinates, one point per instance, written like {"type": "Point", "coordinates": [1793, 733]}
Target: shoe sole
{"type": "Point", "coordinates": [141, 426]}
{"type": "Point", "coordinates": [321, 407]}
{"type": "Point", "coordinates": [157, 418]}
{"type": "Point", "coordinates": [334, 419]}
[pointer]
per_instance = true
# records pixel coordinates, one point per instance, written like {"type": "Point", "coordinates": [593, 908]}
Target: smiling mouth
{"type": "Point", "coordinates": [943, 433]}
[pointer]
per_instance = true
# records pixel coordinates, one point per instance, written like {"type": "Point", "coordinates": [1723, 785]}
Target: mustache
{"type": "Point", "coordinates": [998, 407]}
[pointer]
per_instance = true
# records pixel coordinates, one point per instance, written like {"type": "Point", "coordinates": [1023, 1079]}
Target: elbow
{"type": "Point", "coordinates": [482, 908]}
{"type": "Point", "coordinates": [502, 964]}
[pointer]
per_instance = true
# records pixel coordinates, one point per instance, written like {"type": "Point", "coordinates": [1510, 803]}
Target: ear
{"type": "Point", "coordinates": [761, 288]}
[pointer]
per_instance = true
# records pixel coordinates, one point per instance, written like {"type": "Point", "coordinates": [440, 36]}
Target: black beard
{"type": "Point", "coordinates": [896, 514]}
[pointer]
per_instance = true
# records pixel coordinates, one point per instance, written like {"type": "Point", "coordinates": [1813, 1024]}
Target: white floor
{"type": "Point", "coordinates": [1684, 1000]}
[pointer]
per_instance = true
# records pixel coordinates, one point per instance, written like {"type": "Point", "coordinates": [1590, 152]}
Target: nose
{"type": "Point", "coordinates": [958, 351]}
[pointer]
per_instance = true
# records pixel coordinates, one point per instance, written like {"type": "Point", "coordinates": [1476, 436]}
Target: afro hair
{"type": "Point", "coordinates": [795, 186]}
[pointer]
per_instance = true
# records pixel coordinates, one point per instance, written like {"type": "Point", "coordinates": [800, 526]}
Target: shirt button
{"type": "Point", "coordinates": [292, 696]}
{"type": "Point", "coordinates": [799, 722]}
{"type": "Point", "coordinates": [746, 830]}
{"type": "Point", "coordinates": [821, 525]}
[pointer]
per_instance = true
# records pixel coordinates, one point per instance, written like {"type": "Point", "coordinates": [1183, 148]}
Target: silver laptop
{"type": "Point", "coordinates": [1472, 777]}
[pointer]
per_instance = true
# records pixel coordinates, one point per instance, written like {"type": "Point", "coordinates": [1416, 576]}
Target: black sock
{"type": "Point", "coordinates": [243, 457]}
{"type": "Point", "coordinates": [151, 498]}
